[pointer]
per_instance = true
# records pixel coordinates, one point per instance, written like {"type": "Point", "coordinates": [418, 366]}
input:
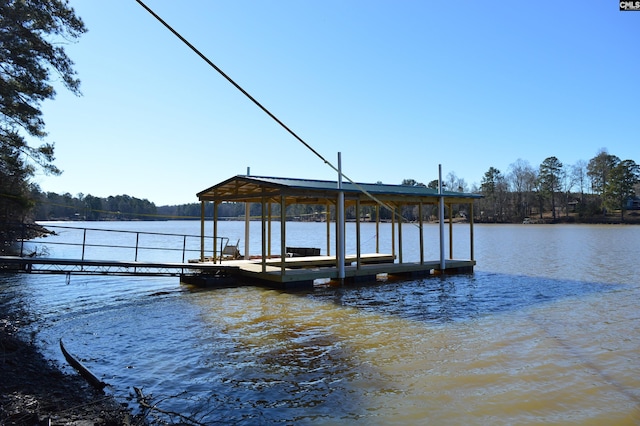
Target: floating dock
{"type": "Point", "coordinates": [305, 272]}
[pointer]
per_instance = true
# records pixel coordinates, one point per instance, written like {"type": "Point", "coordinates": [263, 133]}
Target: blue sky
{"type": "Point", "coordinates": [397, 86]}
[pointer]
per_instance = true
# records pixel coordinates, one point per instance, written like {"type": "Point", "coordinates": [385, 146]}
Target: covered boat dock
{"type": "Point", "coordinates": [279, 268]}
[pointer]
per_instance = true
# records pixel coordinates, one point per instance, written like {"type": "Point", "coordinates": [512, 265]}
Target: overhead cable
{"type": "Point", "coordinates": [259, 105]}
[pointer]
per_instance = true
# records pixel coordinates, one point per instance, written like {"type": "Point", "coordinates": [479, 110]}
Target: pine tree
{"type": "Point", "coordinates": [30, 59]}
{"type": "Point", "coordinates": [550, 176]}
{"type": "Point", "coordinates": [620, 186]}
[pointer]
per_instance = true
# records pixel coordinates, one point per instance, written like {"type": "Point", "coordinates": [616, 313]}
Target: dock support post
{"type": "Point", "coordinates": [471, 230]}
{"type": "Point", "coordinates": [327, 217]}
{"type": "Point", "coordinates": [358, 250]}
{"type": "Point", "coordinates": [202, 231]}
{"type": "Point", "coordinates": [441, 218]}
{"type": "Point", "coordinates": [215, 234]}
{"type": "Point", "coordinates": [264, 234]}
{"type": "Point", "coordinates": [421, 233]}
{"type": "Point", "coordinates": [269, 230]}
{"type": "Point", "coordinates": [340, 255]}
{"type": "Point", "coordinates": [283, 235]}
{"type": "Point", "coordinates": [377, 212]}
{"type": "Point", "coordinates": [393, 231]}
{"type": "Point", "coordinates": [400, 220]}
{"type": "Point", "coordinates": [247, 223]}
{"type": "Point", "coordinates": [450, 207]}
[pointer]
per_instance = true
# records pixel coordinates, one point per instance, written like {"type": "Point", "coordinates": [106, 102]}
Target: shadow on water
{"type": "Point", "coordinates": [455, 298]}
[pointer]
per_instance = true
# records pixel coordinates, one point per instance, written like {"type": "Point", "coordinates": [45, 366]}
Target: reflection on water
{"type": "Point", "coordinates": [541, 333]}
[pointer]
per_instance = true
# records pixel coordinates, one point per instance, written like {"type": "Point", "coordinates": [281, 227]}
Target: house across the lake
{"type": "Point", "coordinates": [278, 265]}
{"type": "Point", "coordinates": [633, 203]}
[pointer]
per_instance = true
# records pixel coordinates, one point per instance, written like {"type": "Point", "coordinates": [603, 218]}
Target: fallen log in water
{"type": "Point", "coordinates": [84, 371]}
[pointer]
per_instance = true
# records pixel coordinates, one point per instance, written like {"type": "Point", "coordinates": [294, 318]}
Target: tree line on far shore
{"type": "Point", "coordinates": [605, 186]}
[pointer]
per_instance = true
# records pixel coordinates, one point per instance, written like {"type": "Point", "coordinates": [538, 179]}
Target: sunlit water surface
{"type": "Point", "coordinates": [545, 331]}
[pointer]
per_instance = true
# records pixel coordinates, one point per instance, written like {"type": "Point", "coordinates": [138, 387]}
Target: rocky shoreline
{"type": "Point", "coordinates": [33, 391]}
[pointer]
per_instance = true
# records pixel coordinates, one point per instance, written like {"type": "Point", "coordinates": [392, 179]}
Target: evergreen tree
{"type": "Point", "coordinates": [493, 187]}
{"type": "Point", "coordinates": [620, 186]}
{"type": "Point", "coordinates": [30, 59]}
{"type": "Point", "coordinates": [550, 177]}
{"type": "Point", "coordinates": [598, 170]}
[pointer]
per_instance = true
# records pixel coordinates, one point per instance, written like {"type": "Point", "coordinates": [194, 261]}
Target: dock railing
{"type": "Point", "coordinates": [78, 242]}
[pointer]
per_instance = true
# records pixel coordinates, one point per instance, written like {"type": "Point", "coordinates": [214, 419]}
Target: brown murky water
{"type": "Point", "coordinates": [546, 331]}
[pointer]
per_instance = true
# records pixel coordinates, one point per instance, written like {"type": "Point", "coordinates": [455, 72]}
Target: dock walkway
{"type": "Point", "coordinates": [298, 272]}
{"type": "Point", "coordinates": [304, 271]}
{"type": "Point", "coordinates": [47, 265]}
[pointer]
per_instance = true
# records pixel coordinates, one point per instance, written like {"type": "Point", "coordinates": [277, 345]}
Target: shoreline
{"type": "Point", "coordinates": [34, 390]}
{"type": "Point", "coordinates": [631, 218]}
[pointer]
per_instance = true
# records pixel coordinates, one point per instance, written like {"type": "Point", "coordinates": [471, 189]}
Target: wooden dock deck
{"type": "Point", "coordinates": [304, 271]}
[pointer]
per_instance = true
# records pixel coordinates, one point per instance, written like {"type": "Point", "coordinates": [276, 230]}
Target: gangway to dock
{"type": "Point", "coordinates": [84, 249]}
{"type": "Point", "coordinates": [46, 265]}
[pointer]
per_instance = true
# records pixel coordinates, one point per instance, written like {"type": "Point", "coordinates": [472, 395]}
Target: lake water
{"type": "Point", "coordinates": [545, 331]}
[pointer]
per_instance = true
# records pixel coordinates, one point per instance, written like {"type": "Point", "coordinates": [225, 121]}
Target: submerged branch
{"type": "Point", "coordinates": [144, 402]}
